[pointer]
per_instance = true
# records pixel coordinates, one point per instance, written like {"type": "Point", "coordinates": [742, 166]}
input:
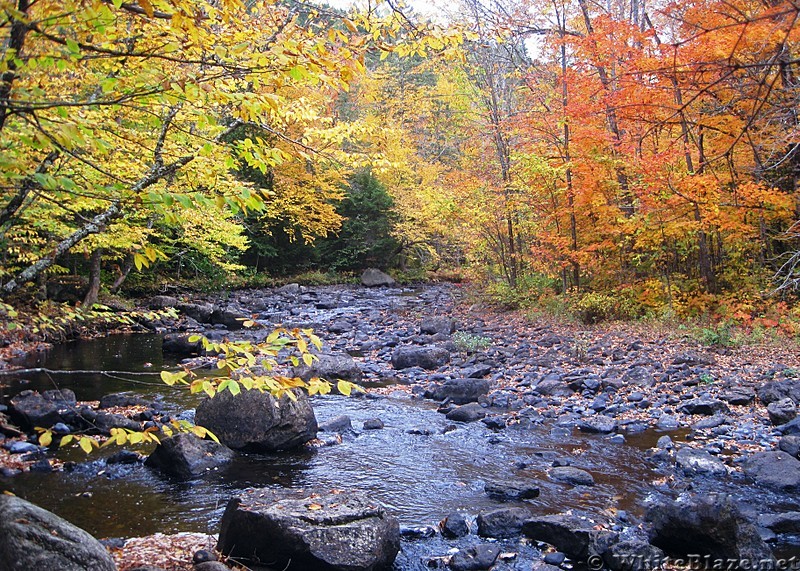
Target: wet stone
{"type": "Point", "coordinates": [571, 475]}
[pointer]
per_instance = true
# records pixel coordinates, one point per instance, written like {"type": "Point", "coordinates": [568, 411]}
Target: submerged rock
{"type": "Point", "coordinates": [300, 531]}
{"type": "Point", "coordinates": [32, 538]}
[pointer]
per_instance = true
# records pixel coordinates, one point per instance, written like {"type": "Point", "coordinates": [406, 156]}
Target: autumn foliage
{"type": "Point", "coordinates": [648, 151]}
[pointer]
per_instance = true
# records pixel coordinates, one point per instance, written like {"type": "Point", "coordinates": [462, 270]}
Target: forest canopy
{"type": "Point", "coordinates": [649, 151]}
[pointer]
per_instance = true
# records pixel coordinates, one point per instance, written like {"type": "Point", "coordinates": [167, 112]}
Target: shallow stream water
{"type": "Point", "coordinates": [420, 466]}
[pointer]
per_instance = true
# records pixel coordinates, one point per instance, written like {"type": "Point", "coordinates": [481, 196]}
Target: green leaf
{"type": "Point", "coordinates": [73, 46]}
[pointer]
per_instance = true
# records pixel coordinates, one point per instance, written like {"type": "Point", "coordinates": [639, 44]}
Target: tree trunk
{"type": "Point", "coordinates": [93, 227]}
{"type": "Point", "coordinates": [94, 278]}
{"type": "Point", "coordinates": [123, 274]}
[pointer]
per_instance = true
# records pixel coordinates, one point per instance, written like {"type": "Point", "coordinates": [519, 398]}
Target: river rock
{"type": "Point", "coordinates": [441, 325]}
{"type": "Point", "coordinates": [332, 368]}
{"type": "Point", "coordinates": [706, 525]}
{"type": "Point", "coordinates": [774, 391]}
{"type": "Point", "coordinates": [340, 424]}
{"type": "Point", "coordinates": [634, 555]}
{"type": "Point", "coordinates": [454, 525]}
{"type": "Point", "coordinates": [424, 357]}
{"type": "Point", "coordinates": [786, 522]}
{"type": "Point", "coordinates": [639, 376]}
{"type": "Point", "coordinates": [790, 428]}
{"type": "Point", "coordinates": [297, 530]}
{"type": "Point", "coordinates": [705, 406]}
{"type": "Point", "coordinates": [162, 302]}
{"type": "Point", "coordinates": [571, 475]}
{"type": "Point", "coordinates": [502, 523]}
{"type": "Point", "coordinates": [372, 277]}
{"type": "Point", "coordinates": [699, 463]}
{"type": "Point", "coordinates": [774, 469]}
{"type": "Point", "coordinates": [179, 344]}
{"type": "Point", "coordinates": [553, 384]}
{"type": "Point", "coordinates": [738, 396]}
{"type": "Point", "coordinates": [467, 413]}
{"type": "Point", "coordinates": [573, 535]}
{"type": "Point", "coordinates": [232, 318]}
{"type": "Point", "coordinates": [200, 312]}
{"type": "Point", "coordinates": [790, 445]}
{"type": "Point", "coordinates": [459, 391]}
{"type": "Point", "coordinates": [122, 400]}
{"type": "Point", "coordinates": [504, 492]}
{"type": "Point", "coordinates": [598, 424]}
{"type": "Point", "coordinates": [257, 421]}
{"type": "Point", "coordinates": [185, 456]}
{"type": "Point", "coordinates": [30, 409]}
{"type": "Point", "coordinates": [32, 538]}
{"type": "Point", "coordinates": [782, 411]}
{"type": "Point", "coordinates": [105, 421]}
{"type": "Point", "coordinates": [475, 558]}
{"type": "Point", "coordinates": [692, 359]}
{"type": "Point", "coordinates": [373, 424]}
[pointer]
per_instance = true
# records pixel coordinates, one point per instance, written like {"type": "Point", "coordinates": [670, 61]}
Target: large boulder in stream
{"type": "Point", "coordinates": [707, 526]}
{"type": "Point", "coordinates": [257, 421]}
{"type": "Point", "coordinates": [32, 538]}
{"type": "Point", "coordinates": [30, 409]}
{"type": "Point", "coordinates": [185, 456]}
{"type": "Point", "coordinates": [300, 531]}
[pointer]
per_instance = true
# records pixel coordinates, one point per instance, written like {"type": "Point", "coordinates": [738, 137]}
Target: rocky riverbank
{"type": "Point", "coordinates": [731, 414]}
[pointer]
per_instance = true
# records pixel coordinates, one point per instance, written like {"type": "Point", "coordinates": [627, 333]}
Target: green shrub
{"type": "Point", "coordinates": [469, 342]}
{"type": "Point", "coordinates": [594, 307]}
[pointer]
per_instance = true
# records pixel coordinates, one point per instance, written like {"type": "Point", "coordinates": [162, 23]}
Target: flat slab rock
{"type": "Point", "coordinates": [300, 531]}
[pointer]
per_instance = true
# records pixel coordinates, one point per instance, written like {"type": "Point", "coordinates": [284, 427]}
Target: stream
{"type": "Point", "coordinates": [421, 466]}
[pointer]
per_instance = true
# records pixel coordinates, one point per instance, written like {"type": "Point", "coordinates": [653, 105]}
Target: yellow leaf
{"type": "Point", "coordinates": [86, 444]}
{"type": "Point", "coordinates": [45, 438]}
{"type": "Point", "coordinates": [147, 7]}
{"type": "Point", "coordinates": [344, 387]}
{"type": "Point", "coordinates": [314, 507]}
